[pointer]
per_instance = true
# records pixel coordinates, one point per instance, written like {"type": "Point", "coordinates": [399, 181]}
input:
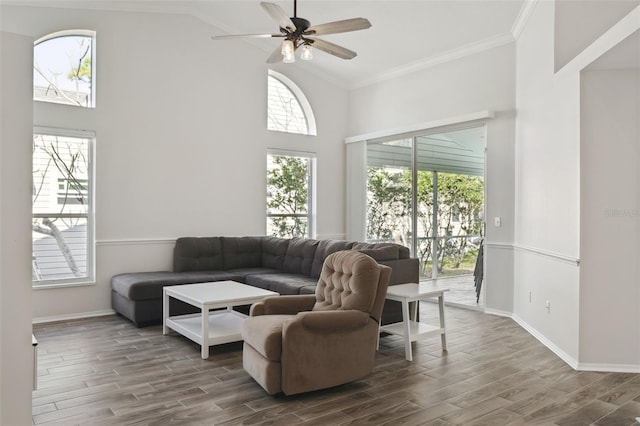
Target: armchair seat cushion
{"type": "Point", "coordinates": [264, 334]}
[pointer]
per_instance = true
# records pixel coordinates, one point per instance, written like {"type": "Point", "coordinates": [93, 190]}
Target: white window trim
{"type": "Point", "coordinates": [80, 33]}
{"type": "Point", "coordinates": [302, 100]}
{"type": "Point", "coordinates": [91, 245]}
{"type": "Point", "coordinates": [312, 156]}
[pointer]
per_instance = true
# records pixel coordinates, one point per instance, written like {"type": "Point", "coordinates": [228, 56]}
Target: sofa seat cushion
{"type": "Point", "coordinates": [242, 273]}
{"type": "Point", "coordinates": [308, 289]}
{"type": "Point", "coordinates": [148, 285]}
{"type": "Point", "coordinates": [264, 334]}
{"type": "Point", "coordinates": [281, 282]}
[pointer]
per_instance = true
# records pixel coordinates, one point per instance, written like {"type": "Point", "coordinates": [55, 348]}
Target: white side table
{"type": "Point", "coordinates": [410, 328]}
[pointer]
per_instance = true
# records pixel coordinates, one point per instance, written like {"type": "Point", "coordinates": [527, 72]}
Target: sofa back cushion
{"type": "Point", "coordinates": [380, 251]}
{"type": "Point", "coordinates": [299, 256]}
{"type": "Point", "coordinates": [403, 252]}
{"type": "Point", "coordinates": [325, 248]}
{"type": "Point", "coordinates": [197, 254]}
{"type": "Point", "coordinates": [241, 252]}
{"type": "Point", "coordinates": [274, 250]}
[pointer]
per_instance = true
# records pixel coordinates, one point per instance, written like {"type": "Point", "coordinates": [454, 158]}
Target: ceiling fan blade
{"type": "Point", "coordinates": [333, 49]}
{"type": "Point", "coordinates": [278, 15]}
{"type": "Point", "coordinates": [276, 56]}
{"type": "Point", "coordinates": [230, 36]}
{"type": "Point", "coordinates": [354, 24]}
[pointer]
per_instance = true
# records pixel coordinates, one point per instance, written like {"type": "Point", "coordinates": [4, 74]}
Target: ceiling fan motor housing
{"type": "Point", "coordinates": [301, 26]}
{"type": "Point", "coordinates": [298, 32]}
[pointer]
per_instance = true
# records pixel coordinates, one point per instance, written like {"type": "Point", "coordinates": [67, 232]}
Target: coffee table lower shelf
{"type": "Point", "coordinates": [225, 326]}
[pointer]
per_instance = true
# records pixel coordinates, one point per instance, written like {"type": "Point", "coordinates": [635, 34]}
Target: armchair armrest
{"type": "Point", "coordinates": [333, 321]}
{"type": "Point", "coordinates": [288, 305]}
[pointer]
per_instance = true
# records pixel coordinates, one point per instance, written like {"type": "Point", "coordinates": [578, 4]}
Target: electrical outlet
{"type": "Point", "coordinates": [497, 221]}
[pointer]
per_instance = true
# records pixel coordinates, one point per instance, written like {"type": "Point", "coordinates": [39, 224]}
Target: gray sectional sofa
{"type": "Point", "coordinates": [287, 266]}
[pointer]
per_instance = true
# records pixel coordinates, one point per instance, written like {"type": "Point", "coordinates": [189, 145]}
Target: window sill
{"type": "Point", "coordinates": [35, 286]}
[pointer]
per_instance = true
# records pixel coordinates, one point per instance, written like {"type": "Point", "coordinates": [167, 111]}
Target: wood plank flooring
{"type": "Point", "coordinates": [105, 371]}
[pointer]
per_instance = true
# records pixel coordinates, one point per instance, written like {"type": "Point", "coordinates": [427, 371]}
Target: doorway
{"type": "Point", "coordinates": [426, 192]}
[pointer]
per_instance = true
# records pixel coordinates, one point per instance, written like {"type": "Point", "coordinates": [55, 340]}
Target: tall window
{"type": "Point", "coordinates": [290, 195]}
{"type": "Point", "coordinates": [288, 110]}
{"type": "Point", "coordinates": [62, 229]}
{"type": "Point", "coordinates": [64, 68]}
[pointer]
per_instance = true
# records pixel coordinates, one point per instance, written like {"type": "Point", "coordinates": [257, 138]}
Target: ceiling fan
{"type": "Point", "coordinates": [299, 34]}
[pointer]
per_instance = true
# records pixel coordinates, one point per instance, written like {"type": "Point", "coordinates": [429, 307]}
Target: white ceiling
{"type": "Point", "coordinates": [405, 35]}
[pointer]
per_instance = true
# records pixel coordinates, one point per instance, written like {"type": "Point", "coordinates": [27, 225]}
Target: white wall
{"type": "Point", "coordinates": [547, 190]}
{"type": "Point", "coordinates": [576, 164]}
{"type": "Point", "coordinates": [610, 219]}
{"type": "Point", "coordinates": [578, 23]}
{"type": "Point", "coordinates": [479, 82]}
{"type": "Point", "coordinates": [181, 140]}
{"type": "Point", "coordinates": [16, 361]}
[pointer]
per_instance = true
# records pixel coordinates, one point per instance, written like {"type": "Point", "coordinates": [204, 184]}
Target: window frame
{"type": "Point", "coordinates": [311, 190]}
{"type": "Point", "coordinates": [300, 97]}
{"type": "Point", "coordinates": [73, 33]}
{"type": "Point", "coordinates": [90, 278]}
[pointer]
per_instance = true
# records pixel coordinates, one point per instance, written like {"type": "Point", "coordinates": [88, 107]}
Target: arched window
{"type": "Point", "coordinates": [288, 110]}
{"type": "Point", "coordinates": [64, 68]}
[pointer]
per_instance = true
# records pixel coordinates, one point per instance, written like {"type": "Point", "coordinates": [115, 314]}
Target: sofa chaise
{"type": "Point", "coordinates": [286, 266]}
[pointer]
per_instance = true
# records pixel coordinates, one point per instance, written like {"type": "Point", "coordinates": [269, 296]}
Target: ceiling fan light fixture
{"type": "Point", "coordinates": [306, 53]}
{"type": "Point", "coordinates": [287, 48]}
{"type": "Point", "coordinates": [289, 58]}
{"type": "Point", "coordinates": [299, 33]}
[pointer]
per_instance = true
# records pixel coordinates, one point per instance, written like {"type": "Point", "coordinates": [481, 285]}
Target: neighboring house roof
{"type": "Point", "coordinates": [48, 263]}
{"type": "Point", "coordinates": [67, 97]}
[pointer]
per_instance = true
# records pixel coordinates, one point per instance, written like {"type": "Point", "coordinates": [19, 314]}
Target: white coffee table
{"type": "Point", "coordinates": [410, 328]}
{"type": "Point", "coordinates": [210, 328]}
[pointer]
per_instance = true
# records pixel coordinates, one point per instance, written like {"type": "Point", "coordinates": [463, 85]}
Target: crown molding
{"type": "Point", "coordinates": [523, 18]}
{"type": "Point", "coordinates": [451, 55]}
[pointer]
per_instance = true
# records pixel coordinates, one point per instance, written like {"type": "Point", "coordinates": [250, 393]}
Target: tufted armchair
{"type": "Point", "coordinates": [301, 343]}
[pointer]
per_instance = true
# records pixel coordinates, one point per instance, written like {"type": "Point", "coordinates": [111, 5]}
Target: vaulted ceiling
{"type": "Point", "coordinates": [405, 35]}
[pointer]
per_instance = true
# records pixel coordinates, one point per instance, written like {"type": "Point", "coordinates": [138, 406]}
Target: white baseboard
{"type": "Point", "coordinates": [548, 343]}
{"type": "Point", "coordinates": [579, 366]}
{"type": "Point", "coordinates": [498, 312]}
{"type": "Point", "coordinates": [55, 318]}
{"type": "Point", "coordinates": [609, 368]}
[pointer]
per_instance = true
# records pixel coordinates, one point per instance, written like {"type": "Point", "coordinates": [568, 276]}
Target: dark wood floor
{"type": "Point", "coordinates": [105, 371]}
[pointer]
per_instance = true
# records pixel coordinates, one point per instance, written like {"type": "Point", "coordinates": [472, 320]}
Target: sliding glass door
{"type": "Point", "coordinates": [390, 192]}
{"type": "Point", "coordinates": [441, 174]}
